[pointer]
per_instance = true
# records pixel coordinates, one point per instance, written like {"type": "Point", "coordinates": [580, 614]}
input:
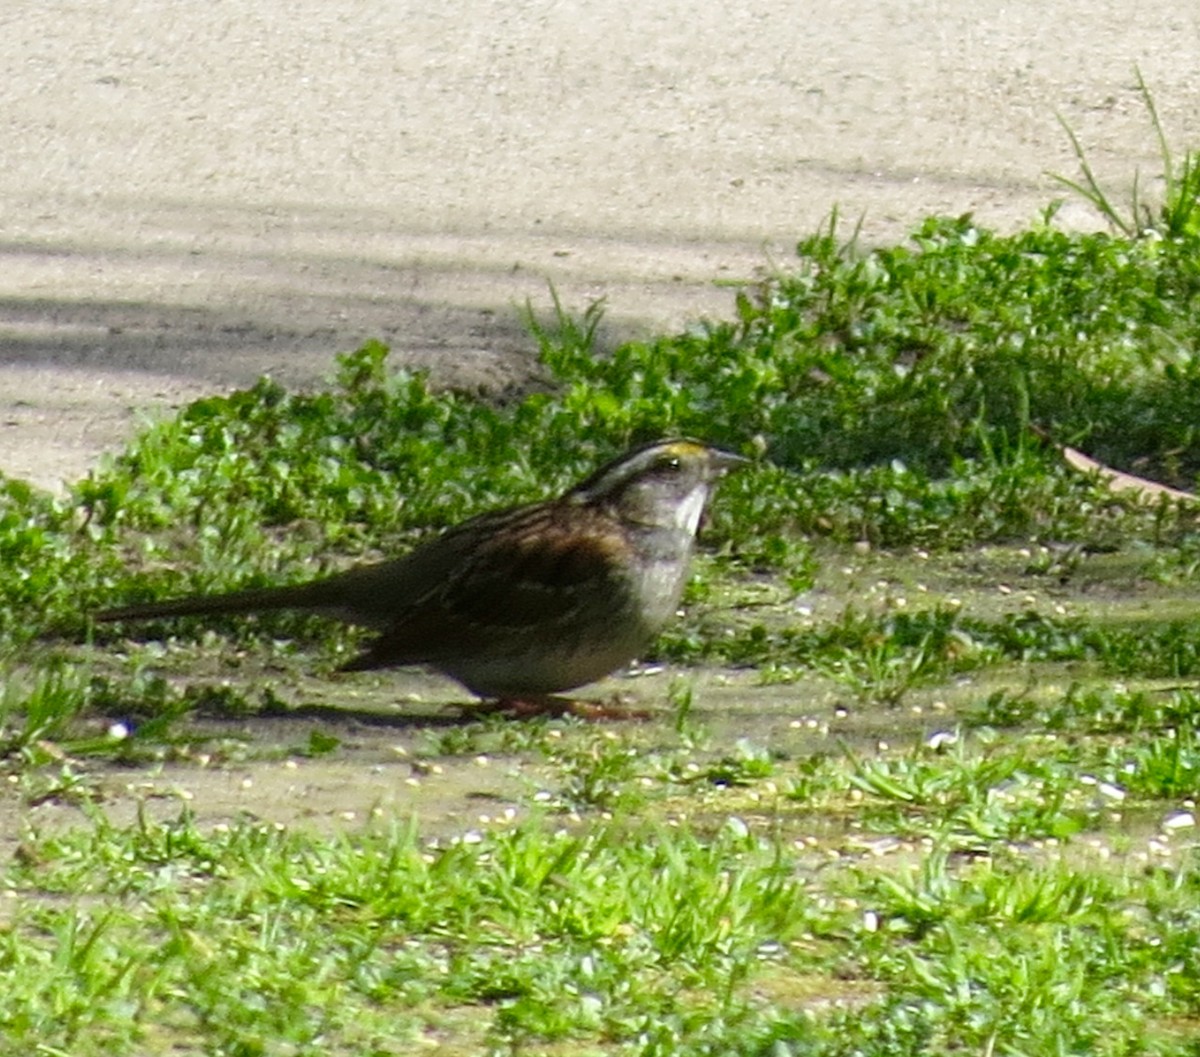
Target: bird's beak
{"type": "Point", "coordinates": [724, 461]}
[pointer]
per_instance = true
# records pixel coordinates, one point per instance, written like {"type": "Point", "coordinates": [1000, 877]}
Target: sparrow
{"type": "Point", "coordinates": [520, 604]}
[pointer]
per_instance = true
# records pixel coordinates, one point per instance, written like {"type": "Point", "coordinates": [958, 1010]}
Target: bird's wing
{"type": "Point", "coordinates": [538, 572]}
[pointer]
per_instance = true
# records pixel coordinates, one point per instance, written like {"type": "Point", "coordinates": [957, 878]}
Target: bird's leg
{"type": "Point", "coordinates": [532, 705]}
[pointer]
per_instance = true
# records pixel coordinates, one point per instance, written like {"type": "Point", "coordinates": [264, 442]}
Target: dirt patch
{"type": "Point", "coordinates": [190, 199]}
{"type": "Point", "coordinates": [404, 744]}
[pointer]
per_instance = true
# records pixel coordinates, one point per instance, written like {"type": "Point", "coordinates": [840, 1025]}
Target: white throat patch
{"type": "Point", "coordinates": [687, 514]}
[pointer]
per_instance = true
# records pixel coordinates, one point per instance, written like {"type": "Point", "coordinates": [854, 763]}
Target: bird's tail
{"type": "Point", "coordinates": [311, 596]}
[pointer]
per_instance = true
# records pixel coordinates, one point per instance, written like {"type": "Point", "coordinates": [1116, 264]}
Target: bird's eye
{"type": "Point", "coordinates": [670, 465]}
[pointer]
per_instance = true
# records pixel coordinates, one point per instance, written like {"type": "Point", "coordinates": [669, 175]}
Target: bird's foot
{"type": "Point", "coordinates": [533, 705]}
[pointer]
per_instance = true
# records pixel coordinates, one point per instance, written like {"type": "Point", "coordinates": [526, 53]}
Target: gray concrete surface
{"type": "Point", "coordinates": [194, 194]}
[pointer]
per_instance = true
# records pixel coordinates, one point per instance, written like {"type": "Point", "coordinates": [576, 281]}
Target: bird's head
{"type": "Point", "coordinates": [664, 484]}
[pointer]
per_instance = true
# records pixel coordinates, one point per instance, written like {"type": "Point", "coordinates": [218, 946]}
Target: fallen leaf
{"type": "Point", "coordinates": [1118, 482]}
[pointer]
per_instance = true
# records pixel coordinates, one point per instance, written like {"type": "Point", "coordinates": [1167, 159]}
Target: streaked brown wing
{"type": "Point", "coordinates": [538, 571]}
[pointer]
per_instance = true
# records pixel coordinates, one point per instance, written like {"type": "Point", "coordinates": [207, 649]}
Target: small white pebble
{"type": "Point", "coordinates": [290, 765]}
{"type": "Point", "coordinates": [118, 731]}
{"type": "Point", "coordinates": [1004, 589]}
{"type": "Point", "coordinates": [871, 921]}
{"type": "Point", "coordinates": [1179, 820]}
{"type": "Point", "coordinates": [737, 828]}
{"type": "Point", "coordinates": [1112, 792]}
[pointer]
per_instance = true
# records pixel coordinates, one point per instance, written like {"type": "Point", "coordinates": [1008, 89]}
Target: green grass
{"type": "Point", "coordinates": [923, 773]}
{"type": "Point", "coordinates": [618, 936]}
{"type": "Point", "coordinates": [1179, 212]}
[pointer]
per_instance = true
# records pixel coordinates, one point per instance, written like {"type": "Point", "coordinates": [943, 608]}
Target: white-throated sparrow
{"type": "Point", "coordinates": [523, 603]}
